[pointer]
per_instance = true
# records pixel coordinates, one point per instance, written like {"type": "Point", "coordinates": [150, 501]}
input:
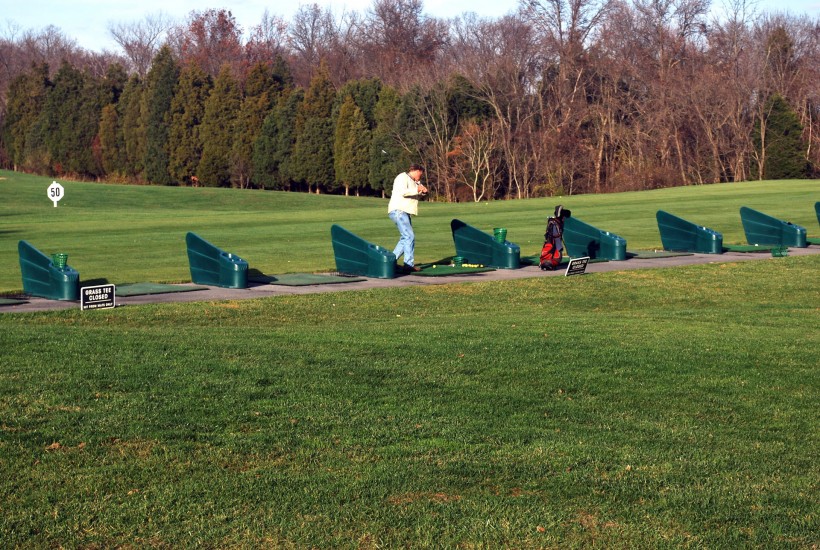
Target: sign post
{"type": "Point", "coordinates": [55, 192]}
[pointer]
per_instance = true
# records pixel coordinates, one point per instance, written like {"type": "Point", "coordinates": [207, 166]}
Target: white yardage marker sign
{"type": "Point", "coordinates": [55, 192]}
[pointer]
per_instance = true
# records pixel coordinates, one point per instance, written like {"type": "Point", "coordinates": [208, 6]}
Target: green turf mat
{"type": "Point", "coordinates": [746, 248]}
{"type": "Point", "coordinates": [444, 270]}
{"type": "Point", "coordinates": [646, 254]}
{"type": "Point", "coordinates": [813, 240]}
{"type": "Point", "coordinates": [10, 301]}
{"type": "Point", "coordinates": [302, 279]}
{"type": "Point", "coordinates": [140, 289]}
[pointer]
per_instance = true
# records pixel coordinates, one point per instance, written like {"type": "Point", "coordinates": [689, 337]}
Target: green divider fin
{"type": "Point", "coordinates": [582, 239]}
{"type": "Point", "coordinates": [356, 256]}
{"type": "Point", "coordinates": [678, 235]}
{"type": "Point", "coordinates": [42, 278]}
{"type": "Point", "coordinates": [478, 247]}
{"type": "Point", "coordinates": [213, 266]}
{"type": "Point", "coordinates": [763, 229]}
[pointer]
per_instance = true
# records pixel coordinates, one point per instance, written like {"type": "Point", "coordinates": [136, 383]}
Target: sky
{"type": "Point", "coordinates": [87, 21]}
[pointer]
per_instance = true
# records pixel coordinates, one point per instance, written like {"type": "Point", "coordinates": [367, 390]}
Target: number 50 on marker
{"type": "Point", "coordinates": [55, 192]}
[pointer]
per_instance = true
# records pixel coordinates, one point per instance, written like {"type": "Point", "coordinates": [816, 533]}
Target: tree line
{"type": "Point", "coordinates": [557, 97]}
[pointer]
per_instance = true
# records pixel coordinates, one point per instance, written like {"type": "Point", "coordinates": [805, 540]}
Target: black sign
{"type": "Point", "coordinates": [577, 266]}
{"type": "Point", "coordinates": [97, 297]}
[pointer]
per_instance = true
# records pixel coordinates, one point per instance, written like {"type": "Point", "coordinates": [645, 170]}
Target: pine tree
{"type": "Point", "coordinates": [314, 142]}
{"type": "Point", "coordinates": [26, 97]}
{"type": "Point", "coordinates": [69, 122]}
{"type": "Point", "coordinates": [159, 92]}
{"type": "Point", "coordinates": [286, 141]}
{"type": "Point", "coordinates": [281, 75]}
{"type": "Point", "coordinates": [359, 146]}
{"type": "Point", "coordinates": [221, 109]}
{"type": "Point", "coordinates": [112, 145]}
{"type": "Point", "coordinates": [260, 95]}
{"type": "Point", "coordinates": [129, 110]}
{"type": "Point", "coordinates": [187, 113]}
{"type": "Point", "coordinates": [387, 157]}
{"type": "Point", "coordinates": [365, 94]}
{"type": "Point", "coordinates": [341, 143]}
{"type": "Point", "coordinates": [351, 147]}
{"type": "Point", "coordinates": [778, 136]}
{"type": "Point", "coordinates": [274, 145]}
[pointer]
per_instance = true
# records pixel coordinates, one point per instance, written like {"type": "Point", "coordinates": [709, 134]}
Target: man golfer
{"type": "Point", "coordinates": [404, 202]}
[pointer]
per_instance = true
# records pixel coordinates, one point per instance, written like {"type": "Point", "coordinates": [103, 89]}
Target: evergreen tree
{"type": "Point", "coordinates": [281, 75]}
{"type": "Point", "coordinates": [69, 122]}
{"type": "Point", "coordinates": [274, 145]}
{"type": "Point", "coordinates": [387, 157]}
{"type": "Point", "coordinates": [342, 163]}
{"type": "Point", "coordinates": [112, 145]}
{"type": "Point", "coordinates": [129, 110]}
{"type": "Point", "coordinates": [365, 94]}
{"type": "Point", "coordinates": [187, 114]}
{"type": "Point", "coordinates": [314, 141]}
{"type": "Point", "coordinates": [260, 95]}
{"type": "Point", "coordinates": [360, 139]}
{"type": "Point", "coordinates": [286, 142]}
{"type": "Point", "coordinates": [26, 97]}
{"type": "Point", "coordinates": [112, 84]}
{"type": "Point", "coordinates": [260, 82]}
{"type": "Point", "coordinates": [221, 109]}
{"type": "Point", "coordinates": [463, 102]}
{"type": "Point", "coordinates": [351, 147]}
{"type": "Point", "coordinates": [778, 136]}
{"type": "Point", "coordinates": [160, 83]}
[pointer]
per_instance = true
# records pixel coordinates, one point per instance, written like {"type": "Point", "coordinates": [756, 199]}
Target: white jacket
{"type": "Point", "coordinates": [405, 195]}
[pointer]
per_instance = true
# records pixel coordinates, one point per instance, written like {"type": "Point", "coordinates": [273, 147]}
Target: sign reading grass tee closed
{"type": "Point", "coordinates": [97, 297]}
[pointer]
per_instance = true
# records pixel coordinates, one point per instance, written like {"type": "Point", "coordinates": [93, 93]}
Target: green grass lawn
{"type": "Point", "coordinates": [642, 409]}
{"type": "Point", "coordinates": [127, 234]}
{"type": "Point", "coordinates": [659, 408]}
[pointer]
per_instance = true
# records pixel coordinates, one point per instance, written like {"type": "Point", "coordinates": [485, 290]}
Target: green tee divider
{"type": "Point", "coordinates": [762, 228]}
{"type": "Point", "coordinates": [679, 235]}
{"type": "Point", "coordinates": [356, 256]}
{"type": "Point", "coordinates": [817, 210]}
{"type": "Point", "coordinates": [213, 266]}
{"type": "Point", "coordinates": [478, 247]}
{"type": "Point", "coordinates": [42, 278]}
{"type": "Point", "coordinates": [582, 239]}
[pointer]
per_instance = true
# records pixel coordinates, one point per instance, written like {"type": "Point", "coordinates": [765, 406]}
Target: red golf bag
{"type": "Point", "coordinates": [552, 251]}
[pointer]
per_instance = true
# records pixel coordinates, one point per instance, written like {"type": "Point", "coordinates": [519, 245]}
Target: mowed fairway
{"type": "Point", "coordinates": [656, 408]}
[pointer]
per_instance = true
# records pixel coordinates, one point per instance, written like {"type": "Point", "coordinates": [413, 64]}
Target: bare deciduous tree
{"type": "Point", "coordinates": [140, 41]}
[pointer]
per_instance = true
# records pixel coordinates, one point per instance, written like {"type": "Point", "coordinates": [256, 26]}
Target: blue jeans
{"type": "Point", "coordinates": [407, 242]}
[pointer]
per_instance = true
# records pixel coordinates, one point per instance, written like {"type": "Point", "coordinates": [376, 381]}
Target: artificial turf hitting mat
{"type": "Point", "coordinates": [301, 279]}
{"type": "Point", "coordinates": [11, 301]}
{"type": "Point", "coordinates": [141, 289]}
{"type": "Point", "coordinates": [444, 270]}
{"type": "Point", "coordinates": [646, 254]}
{"type": "Point", "coordinates": [746, 248]}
